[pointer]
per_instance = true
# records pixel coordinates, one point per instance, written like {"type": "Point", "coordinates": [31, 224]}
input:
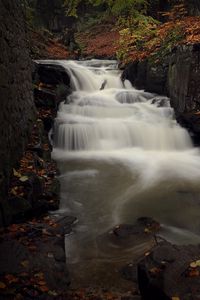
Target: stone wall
{"type": "Point", "coordinates": [17, 107]}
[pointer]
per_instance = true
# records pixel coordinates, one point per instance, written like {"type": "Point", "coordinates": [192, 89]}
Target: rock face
{"type": "Point", "coordinates": [17, 106]}
{"type": "Point", "coordinates": [177, 76]}
{"type": "Point", "coordinates": [148, 76]}
{"type": "Point", "coordinates": [183, 78]}
{"type": "Point", "coordinates": [170, 271]}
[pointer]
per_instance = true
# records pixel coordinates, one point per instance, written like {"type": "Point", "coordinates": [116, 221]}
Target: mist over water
{"type": "Point", "coordinates": [122, 155]}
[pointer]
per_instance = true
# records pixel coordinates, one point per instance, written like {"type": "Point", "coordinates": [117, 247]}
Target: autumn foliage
{"type": "Point", "coordinates": [158, 40]}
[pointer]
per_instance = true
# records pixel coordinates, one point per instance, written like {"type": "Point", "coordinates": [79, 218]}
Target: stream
{"type": "Point", "coordinates": [121, 156]}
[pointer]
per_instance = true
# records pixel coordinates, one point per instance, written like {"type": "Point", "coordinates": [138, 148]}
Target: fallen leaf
{"type": "Point", "coordinates": [11, 278]}
{"type": "Point", "coordinates": [25, 263]}
{"type": "Point", "coordinates": [52, 293]}
{"type": "Point", "coordinates": [2, 285]}
{"type": "Point", "coordinates": [44, 288]}
{"type": "Point", "coordinates": [41, 282]}
{"type": "Point", "coordinates": [195, 264]}
{"type": "Point", "coordinates": [23, 178]}
{"type": "Point", "coordinates": [14, 191]}
{"type": "Point", "coordinates": [32, 248]}
{"type": "Point", "coordinates": [13, 228]}
{"type": "Point", "coordinates": [155, 270]}
{"type": "Point", "coordinates": [16, 174]}
{"type": "Point", "coordinates": [44, 231]}
{"type": "Point", "coordinates": [193, 273]}
{"type": "Point", "coordinates": [175, 298]}
{"type": "Point", "coordinates": [39, 276]}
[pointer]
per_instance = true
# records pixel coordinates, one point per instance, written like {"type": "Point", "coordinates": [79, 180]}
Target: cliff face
{"type": "Point", "coordinates": [177, 76]}
{"type": "Point", "coordinates": [183, 79]}
{"type": "Point", "coordinates": [17, 106]}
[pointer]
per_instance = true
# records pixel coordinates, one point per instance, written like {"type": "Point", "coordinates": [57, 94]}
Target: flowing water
{"type": "Point", "coordinates": [122, 156]}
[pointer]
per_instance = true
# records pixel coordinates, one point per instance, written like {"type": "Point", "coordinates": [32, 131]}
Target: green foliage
{"type": "Point", "coordinates": [171, 39]}
{"type": "Point", "coordinates": [29, 10]}
{"type": "Point", "coordinates": [70, 7]}
{"type": "Point", "coordinates": [133, 40]}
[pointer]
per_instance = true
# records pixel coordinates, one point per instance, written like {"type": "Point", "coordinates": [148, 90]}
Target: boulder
{"type": "Point", "coordinates": [170, 271]}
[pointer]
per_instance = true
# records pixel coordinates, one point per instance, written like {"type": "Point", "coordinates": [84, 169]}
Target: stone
{"type": "Point", "coordinates": [165, 273]}
{"type": "Point", "coordinates": [177, 76]}
{"type": "Point", "coordinates": [15, 90]}
{"type": "Point", "coordinates": [19, 208]}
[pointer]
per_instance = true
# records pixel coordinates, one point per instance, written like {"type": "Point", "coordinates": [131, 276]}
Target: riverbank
{"type": "Point", "coordinates": [32, 254]}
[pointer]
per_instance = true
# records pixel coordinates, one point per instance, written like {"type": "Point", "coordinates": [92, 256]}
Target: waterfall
{"type": "Point", "coordinates": [121, 156]}
{"type": "Point", "coordinates": [115, 117]}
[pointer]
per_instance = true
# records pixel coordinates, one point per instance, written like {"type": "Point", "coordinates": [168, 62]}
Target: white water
{"type": "Point", "coordinates": [122, 155]}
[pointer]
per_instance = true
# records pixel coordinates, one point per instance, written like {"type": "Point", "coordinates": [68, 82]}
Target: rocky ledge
{"type": "Point", "coordinates": [32, 254]}
{"type": "Point", "coordinates": [176, 75]}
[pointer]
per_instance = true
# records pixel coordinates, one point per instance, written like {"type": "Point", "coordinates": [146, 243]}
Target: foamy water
{"type": "Point", "coordinates": [122, 155]}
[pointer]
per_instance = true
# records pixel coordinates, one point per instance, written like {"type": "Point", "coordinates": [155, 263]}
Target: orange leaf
{"type": "Point", "coordinates": [42, 282]}
{"type": "Point", "coordinates": [193, 273]}
{"type": "Point", "coordinates": [44, 288]}
{"type": "Point", "coordinates": [2, 285]}
{"type": "Point", "coordinates": [11, 278]}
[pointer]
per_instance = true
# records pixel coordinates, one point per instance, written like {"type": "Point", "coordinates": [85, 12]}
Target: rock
{"type": "Point", "coordinates": [20, 208]}
{"type": "Point", "coordinates": [129, 272]}
{"type": "Point", "coordinates": [148, 75]}
{"type": "Point", "coordinates": [52, 85]}
{"type": "Point", "coordinates": [36, 185]}
{"type": "Point", "coordinates": [17, 106]}
{"type": "Point", "coordinates": [166, 273]}
{"type": "Point", "coordinates": [177, 75]}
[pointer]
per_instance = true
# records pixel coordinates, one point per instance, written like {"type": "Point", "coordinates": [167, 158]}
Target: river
{"type": "Point", "coordinates": [121, 156]}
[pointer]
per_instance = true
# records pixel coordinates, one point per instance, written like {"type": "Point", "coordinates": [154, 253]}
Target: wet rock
{"type": "Point", "coordinates": [177, 75]}
{"type": "Point", "coordinates": [48, 123]}
{"type": "Point", "coordinates": [166, 272]}
{"type": "Point", "coordinates": [129, 272]}
{"type": "Point", "coordinates": [148, 75]}
{"type": "Point", "coordinates": [142, 226]}
{"type": "Point", "coordinates": [52, 85]}
{"type": "Point", "coordinates": [55, 187]}
{"type": "Point", "coordinates": [20, 208]}
{"type": "Point", "coordinates": [59, 254]}
{"type": "Point", "coordinates": [36, 185]}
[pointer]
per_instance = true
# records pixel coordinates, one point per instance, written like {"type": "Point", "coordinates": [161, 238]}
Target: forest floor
{"type": "Point", "coordinates": [98, 42]}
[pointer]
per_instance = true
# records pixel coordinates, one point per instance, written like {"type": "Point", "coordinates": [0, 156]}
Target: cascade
{"type": "Point", "coordinates": [122, 155]}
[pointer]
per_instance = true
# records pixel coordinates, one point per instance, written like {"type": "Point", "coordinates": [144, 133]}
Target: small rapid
{"type": "Point", "coordinates": [121, 155]}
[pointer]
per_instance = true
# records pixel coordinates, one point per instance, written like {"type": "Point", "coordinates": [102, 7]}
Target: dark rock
{"type": "Point", "coordinates": [48, 123]}
{"type": "Point", "coordinates": [52, 85]}
{"type": "Point", "coordinates": [177, 75]}
{"type": "Point", "coordinates": [17, 112]}
{"type": "Point", "coordinates": [165, 273]}
{"type": "Point", "coordinates": [129, 272]}
{"type": "Point", "coordinates": [37, 149]}
{"type": "Point", "coordinates": [36, 185]}
{"type": "Point", "coordinates": [147, 75]}
{"type": "Point", "coordinates": [59, 254]}
{"type": "Point", "coordinates": [19, 208]}
{"type": "Point", "coordinates": [54, 188]}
